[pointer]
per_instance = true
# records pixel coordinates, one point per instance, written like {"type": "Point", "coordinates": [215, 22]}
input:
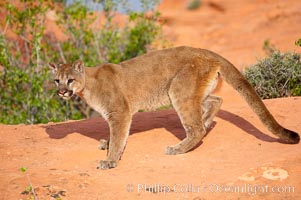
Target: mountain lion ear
{"type": "Point", "coordinates": [78, 66]}
{"type": "Point", "coordinates": [53, 67]}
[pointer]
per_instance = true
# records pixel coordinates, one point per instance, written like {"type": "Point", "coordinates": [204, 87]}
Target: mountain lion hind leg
{"type": "Point", "coordinates": [195, 125]}
{"type": "Point", "coordinates": [210, 107]}
{"type": "Point", "coordinates": [190, 113]}
{"type": "Point", "coordinates": [187, 92]}
{"type": "Point", "coordinates": [103, 144]}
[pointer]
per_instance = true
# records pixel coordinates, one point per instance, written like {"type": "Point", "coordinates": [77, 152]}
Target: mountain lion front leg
{"type": "Point", "coordinates": [119, 131]}
{"type": "Point", "coordinates": [210, 107]}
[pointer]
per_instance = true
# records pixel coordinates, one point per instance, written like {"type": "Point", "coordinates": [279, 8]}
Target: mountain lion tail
{"type": "Point", "coordinates": [233, 77]}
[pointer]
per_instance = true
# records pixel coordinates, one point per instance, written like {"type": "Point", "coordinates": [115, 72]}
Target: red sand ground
{"type": "Point", "coordinates": [238, 159]}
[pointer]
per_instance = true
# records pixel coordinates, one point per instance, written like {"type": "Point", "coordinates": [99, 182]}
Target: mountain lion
{"type": "Point", "coordinates": [183, 77]}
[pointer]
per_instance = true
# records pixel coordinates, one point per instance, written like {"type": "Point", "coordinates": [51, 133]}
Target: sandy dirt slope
{"type": "Point", "coordinates": [235, 29]}
{"type": "Point", "coordinates": [237, 153]}
{"type": "Point", "coordinates": [238, 159]}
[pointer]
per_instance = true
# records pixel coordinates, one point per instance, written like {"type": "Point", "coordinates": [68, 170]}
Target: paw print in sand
{"type": "Point", "coordinates": [270, 173]}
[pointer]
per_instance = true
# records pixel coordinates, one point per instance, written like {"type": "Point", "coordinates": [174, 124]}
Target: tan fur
{"type": "Point", "coordinates": [182, 76]}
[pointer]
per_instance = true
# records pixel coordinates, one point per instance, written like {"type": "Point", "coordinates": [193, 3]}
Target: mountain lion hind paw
{"type": "Point", "coordinates": [107, 164]}
{"type": "Point", "coordinates": [103, 144]}
{"type": "Point", "coordinates": [170, 150]}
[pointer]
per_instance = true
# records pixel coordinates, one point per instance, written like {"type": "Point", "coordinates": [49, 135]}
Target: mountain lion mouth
{"type": "Point", "coordinates": [65, 94]}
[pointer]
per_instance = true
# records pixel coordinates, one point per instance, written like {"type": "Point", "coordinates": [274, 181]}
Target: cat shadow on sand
{"type": "Point", "coordinates": [97, 128]}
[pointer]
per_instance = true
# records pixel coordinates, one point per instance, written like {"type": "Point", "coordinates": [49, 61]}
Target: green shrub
{"type": "Point", "coordinates": [26, 91]}
{"type": "Point", "coordinates": [24, 96]}
{"type": "Point", "coordinates": [194, 4]}
{"type": "Point", "coordinates": [298, 42]}
{"type": "Point", "coordinates": [277, 75]}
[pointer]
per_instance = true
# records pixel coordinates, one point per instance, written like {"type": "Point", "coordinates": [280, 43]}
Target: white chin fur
{"type": "Point", "coordinates": [65, 97]}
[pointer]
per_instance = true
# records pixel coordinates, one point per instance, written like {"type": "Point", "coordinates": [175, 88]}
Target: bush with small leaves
{"type": "Point", "coordinates": [298, 42]}
{"type": "Point", "coordinates": [26, 94]}
{"type": "Point", "coordinates": [194, 4]}
{"type": "Point", "coordinates": [277, 75]}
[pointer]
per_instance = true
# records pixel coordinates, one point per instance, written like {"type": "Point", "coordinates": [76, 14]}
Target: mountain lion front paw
{"type": "Point", "coordinates": [107, 164]}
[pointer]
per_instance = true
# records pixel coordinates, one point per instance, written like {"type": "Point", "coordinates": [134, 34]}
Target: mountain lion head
{"type": "Point", "coordinates": [69, 78]}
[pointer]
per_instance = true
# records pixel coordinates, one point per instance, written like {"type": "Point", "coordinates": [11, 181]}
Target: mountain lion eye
{"type": "Point", "coordinates": [57, 81]}
{"type": "Point", "coordinates": [70, 81]}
